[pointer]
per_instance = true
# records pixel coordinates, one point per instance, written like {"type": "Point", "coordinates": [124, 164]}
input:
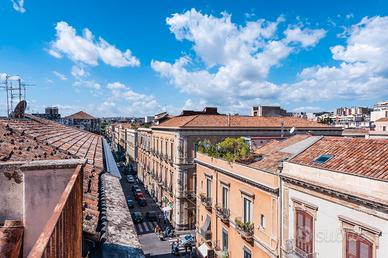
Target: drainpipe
{"type": "Point", "coordinates": [280, 211]}
{"type": "Point", "coordinates": [216, 204]}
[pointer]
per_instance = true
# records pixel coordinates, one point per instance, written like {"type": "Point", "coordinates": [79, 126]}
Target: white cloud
{"type": "Point", "coordinates": [361, 73]}
{"type": "Point", "coordinates": [18, 5]}
{"type": "Point", "coordinates": [116, 86]}
{"type": "Point", "coordinates": [306, 37]}
{"type": "Point", "coordinates": [90, 84]}
{"type": "Point", "coordinates": [307, 109]}
{"type": "Point", "coordinates": [130, 101]}
{"type": "Point", "coordinates": [86, 49]}
{"type": "Point", "coordinates": [231, 62]}
{"type": "Point", "coordinates": [78, 71]}
{"type": "Point", "coordinates": [60, 76]}
{"type": "Point", "coordinates": [235, 59]}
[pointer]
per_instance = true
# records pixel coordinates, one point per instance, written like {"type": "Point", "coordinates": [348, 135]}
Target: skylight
{"type": "Point", "coordinates": [323, 158]}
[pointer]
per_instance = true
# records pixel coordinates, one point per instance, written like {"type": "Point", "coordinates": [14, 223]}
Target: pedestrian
{"type": "Point", "coordinates": [157, 229]}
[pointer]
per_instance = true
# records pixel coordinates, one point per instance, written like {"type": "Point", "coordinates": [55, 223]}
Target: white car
{"type": "Point", "coordinates": [130, 179]}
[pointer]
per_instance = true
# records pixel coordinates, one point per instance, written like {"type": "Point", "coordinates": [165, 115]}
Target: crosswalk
{"type": "Point", "coordinates": [145, 227]}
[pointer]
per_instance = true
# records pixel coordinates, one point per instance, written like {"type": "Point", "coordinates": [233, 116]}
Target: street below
{"type": "Point", "coordinates": [151, 244]}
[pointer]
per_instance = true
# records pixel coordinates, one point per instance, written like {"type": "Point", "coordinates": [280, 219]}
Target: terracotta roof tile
{"type": "Point", "coordinates": [362, 157]}
{"type": "Point", "coordinates": [36, 138]}
{"type": "Point", "coordinates": [271, 154]}
{"type": "Point", "coordinates": [81, 115]}
{"type": "Point", "coordinates": [224, 121]}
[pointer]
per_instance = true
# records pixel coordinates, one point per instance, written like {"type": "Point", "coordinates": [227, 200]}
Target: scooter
{"type": "Point", "coordinates": [175, 248]}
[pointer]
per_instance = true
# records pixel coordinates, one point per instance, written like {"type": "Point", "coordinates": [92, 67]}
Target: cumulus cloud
{"type": "Point", "coordinates": [362, 69]}
{"type": "Point", "coordinates": [86, 49]}
{"type": "Point", "coordinates": [60, 76]}
{"type": "Point", "coordinates": [89, 84]}
{"type": "Point", "coordinates": [131, 101]}
{"type": "Point", "coordinates": [231, 62]}
{"type": "Point", "coordinates": [116, 86]}
{"type": "Point", "coordinates": [78, 71]}
{"type": "Point", "coordinates": [18, 5]}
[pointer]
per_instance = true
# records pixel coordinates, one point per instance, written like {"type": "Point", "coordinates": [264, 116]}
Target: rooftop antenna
{"type": "Point", "coordinates": [15, 91]}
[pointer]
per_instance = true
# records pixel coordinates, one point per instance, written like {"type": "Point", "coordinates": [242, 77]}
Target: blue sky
{"type": "Point", "coordinates": [141, 57]}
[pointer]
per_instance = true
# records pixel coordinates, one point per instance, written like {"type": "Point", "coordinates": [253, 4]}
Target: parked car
{"type": "Point", "coordinates": [187, 240]}
{"type": "Point", "coordinates": [130, 179]}
{"type": "Point", "coordinates": [131, 204]}
{"type": "Point", "coordinates": [138, 194]}
{"type": "Point", "coordinates": [142, 201]}
{"type": "Point", "coordinates": [134, 187]}
{"type": "Point", "coordinates": [151, 216]}
{"type": "Point", "coordinates": [137, 217]}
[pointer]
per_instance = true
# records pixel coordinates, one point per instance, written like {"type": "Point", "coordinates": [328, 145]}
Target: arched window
{"type": "Point", "coordinates": [357, 246]}
{"type": "Point", "coordinates": [304, 233]}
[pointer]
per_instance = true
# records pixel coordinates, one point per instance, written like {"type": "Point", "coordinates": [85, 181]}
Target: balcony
{"type": "Point", "coordinates": [291, 251]}
{"type": "Point", "coordinates": [245, 229]}
{"type": "Point", "coordinates": [205, 234]}
{"type": "Point", "coordinates": [223, 214]}
{"type": "Point", "coordinates": [206, 201]}
{"type": "Point", "coordinates": [190, 195]}
{"type": "Point", "coordinates": [218, 250]}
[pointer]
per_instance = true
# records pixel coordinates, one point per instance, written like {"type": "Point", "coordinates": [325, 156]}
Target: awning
{"type": "Point", "coordinates": [202, 249]}
{"type": "Point", "coordinates": [206, 225]}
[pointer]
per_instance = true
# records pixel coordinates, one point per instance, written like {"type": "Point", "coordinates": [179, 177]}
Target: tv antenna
{"type": "Point", "coordinates": [15, 91]}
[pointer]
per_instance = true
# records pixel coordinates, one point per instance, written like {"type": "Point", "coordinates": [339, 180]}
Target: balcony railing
{"type": "Point", "coordinates": [62, 235]}
{"type": "Point", "coordinates": [218, 250]}
{"type": "Point", "coordinates": [205, 234]}
{"type": "Point", "coordinates": [223, 214]}
{"type": "Point", "coordinates": [206, 201]}
{"type": "Point", "coordinates": [190, 195]}
{"type": "Point", "coordinates": [246, 229]}
{"type": "Point", "coordinates": [291, 251]}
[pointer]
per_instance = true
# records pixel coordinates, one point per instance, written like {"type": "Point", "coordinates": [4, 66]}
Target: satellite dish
{"type": "Point", "coordinates": [20, 109]}
{"type": "Point", "coordinates": [292, 130]}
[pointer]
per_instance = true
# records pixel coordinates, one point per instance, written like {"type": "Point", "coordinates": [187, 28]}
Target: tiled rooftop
{"type": "Point", "coordinates": [362, 157]}
{"type": "Point", "coordinates": [224, 121]}
{"type": "Point", "coordinates": [271, 154]}
{"type": "Point", "coordinates": [81, 115]}
{"type": "Point", "coordinates": [40, 139]}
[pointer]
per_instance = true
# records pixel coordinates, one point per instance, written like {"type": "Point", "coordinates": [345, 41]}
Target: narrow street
{"type": "Point", "coordinates": [151, 244]}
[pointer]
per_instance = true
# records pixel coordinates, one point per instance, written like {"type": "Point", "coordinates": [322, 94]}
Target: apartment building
{"type": "Point", "coordinates": [335, 199]}
{"type": "Point", "coordinates": [166, 152]}
{"type": "Point", "coordinates": [130, 146]}
{"type": "Point", "coordinates": [84, 121]}
{"type": "Point", "coordinates": [238, 207]}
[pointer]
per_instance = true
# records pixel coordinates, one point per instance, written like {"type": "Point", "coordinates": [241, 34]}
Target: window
{"type": "Point", "coordinates": [224, 240]}
{"type": "Point", "coordinates": [262, 221]}
{"type": "Point", "coordinates": [323, 159]}
{"type": "Point", "coordinates": [357, 246]}
{"type": "Point", "coordinates": [208, 188]}
{"type": "Point", "coordinates": [225, 197]}
{"type": "Point", "coordinates": [247, 210]}
{"type": "Point", "coordinates": [384, 128]}
{"type": "Point", "coordinates": [304, 232]}
{"type": "Point", "coordinates": [172, 150]}
{"type": "Point", "coordinates": [247, 253]}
